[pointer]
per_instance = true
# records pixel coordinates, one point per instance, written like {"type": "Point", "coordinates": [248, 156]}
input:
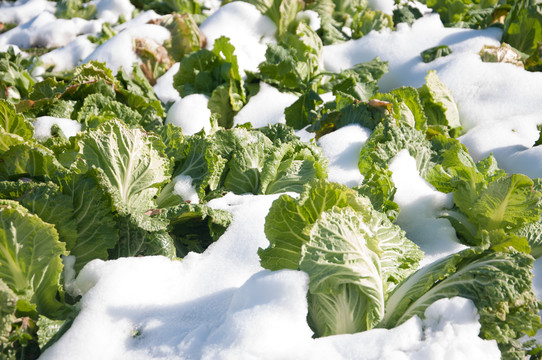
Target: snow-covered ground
{"type": "Point", "coordinates": [221, 304]}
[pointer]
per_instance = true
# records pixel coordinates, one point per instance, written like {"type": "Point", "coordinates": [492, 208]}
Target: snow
{"type": "Point", "coordinates": [386, 6]}
{"type": "Point", "coordinates": [420, 205]}
{"type": "Point", "coordinates": [45, 30]}
{"type": "Point", "coordinates": [184, 188]}
{"type": "Point", "coordinates": [266, 107]}
{"type": "Point", "coordinates": [43, 125]}
{"type": "Point", "coordinates": [402, 50]}
{"type": "Point", "coordinates": [342, 148]}
{"type": "Point", "coordinates": [69, 56]}
{"type": "Point", "coordinates": [141, 19]}
{"type": "Point", "coordinates": [305, 135]}
{"type": "Point", "coordinates": [222, 305]}
{"type": "Point", "coordinates": [499, 104]}
{"type": "Point", "coordinates": [248, 30]}
{"type": "Point", "coordinates": [118, 51]}
{"type": "Point", "coordinates": [22, 11]}
{"type": "Point", "coordinates": [311, 17]}
{"type": "Point", "coordinates": [164, 86]}
{"type": "Point", "coordinates": [111, 10]}
{"type": "Point", "coordinates": [190, 114]}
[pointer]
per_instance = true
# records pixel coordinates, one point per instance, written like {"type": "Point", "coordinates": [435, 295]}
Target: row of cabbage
{"type": "Point", "coordinates": [110, 190]}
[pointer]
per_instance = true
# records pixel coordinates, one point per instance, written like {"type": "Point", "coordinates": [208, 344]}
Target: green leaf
{"type": "Point", "coordinates": [97, 109]}
{"type": "Point", "coordinates": [288, 10]}
{"type": "Point", "coordinates": [14, 123]}
{"type": "Point", "coordinates": [195, 227]}
{"type": "Point", "coordinates": [203, 163]}
{"type": "Point", "coordinates": [8, 300]}
{"type": "Point", "coordinates": [170, 6]}
{"type": "Point", "coordinates": [48, 330]}
{"type": "Point", "coordinates": [246, 164]}
{"type": "Point", "coordinates": [387, 140]}
{"type": "Point", "coordinates": [483, 193]}
{"type": "Point", "coordinates": [8, 140]}
{"type": "Point", "coordinates": [142, 237]}
{"type": "Point", "coordinates": [160, 243]}
{"type": "Point", "coordinates": [439, 105]}
{"type": "Point", "coordinates": [499, 284]}
{"type": "Point", "coordinates": [487, 198]}
{"type": "Point", "coordinates": [346, 290]}
{"type": "Point", "coordinates": [173, 138]}
{"type": "Point", "coordinates": [30, 257]}
{"type": "Point", "coordinates": [185, 35]}
{"type": "Point", "coordinates": [367, 20]}
{"type": "Point", "coordinates": [279, 67]}
{"type": "Point", "coordinates": [298, 115]}
{"type": "Point", "coordinates": [15, 79]}
{"type": "Point", "coordinates": [220, 104]}
{"type": "Point", "coordinates": [68, 9]}
{"type": "Point", "coordinates": [199, 72]}
{"type": "Point", "coordinates": [507, 203]}
{"type": "Point", "coordinates": [53, 207]}
{"type": "Point", "coordinates": [94, 220]}
{"type": "Point", "coordinates": [466, 232]}
{"type": "Point", "coordinates": [279, 133]}
{"type": "Point", "coordinates": [30, 160]}
{"type": "Point", "coordinates": [248, 161]}
{"type": "Point", "coordinates": [435, 52]}
{"type": "Point", "coordinates": [47, 89]}
{"type": "Point", "coordinates": [294, 62]}
{"type": "Point", "coordinates": [359, 81]}
{"type": "Point", "coordinates": [534, 62]}
{"type": "Point", "coordinates": [533, 232]}
{"type": "Point", "coordinates": [91, 72]}
{"type": "Point", "coordinates": [464, 13]}
{"type": "Point", "coordinates": [523, 26]}
{"type": "Point", "coordinates": [353, 259]}
{"type": "Point", "coordinates": [503, 242]}
{"type": "Point", "coordinates": [407, 14]}
{"type": "Point", "coordinates": [129, 164]}
{"type": "Point", "coordinates": [456, 171]}
{"type": "Point", "coordinates": [289, 166]}
{"type": "Point", "coordinates": [288, 217]}
{"type": "Point", "coordinates": [378, 186]}
{"type": "Point", "coordinates": [407, 107]}
{"type": "Point", "coordinates": [107, 33]}
{"type": "Point", "coordinates": [216, 74]}
{"type": "Point", "coordinates": [331, 25]}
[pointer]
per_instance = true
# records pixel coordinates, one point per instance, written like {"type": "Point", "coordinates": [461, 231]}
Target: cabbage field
{"type": "Point", "coordinates": [270, 179]}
